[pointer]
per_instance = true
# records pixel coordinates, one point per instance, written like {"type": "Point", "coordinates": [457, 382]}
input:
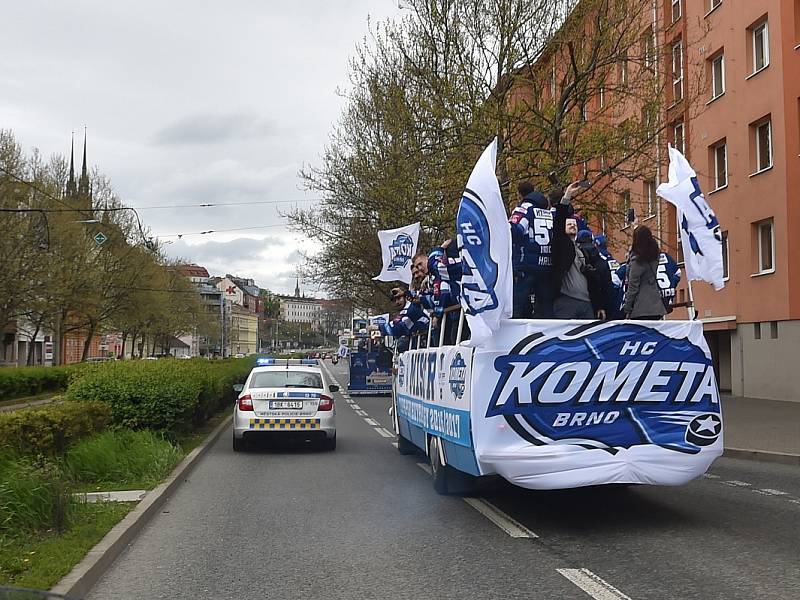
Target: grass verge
{"type": "Point", "coordinates": [191, 441]}
{"type": "Point", "coordinates": [40, 560]}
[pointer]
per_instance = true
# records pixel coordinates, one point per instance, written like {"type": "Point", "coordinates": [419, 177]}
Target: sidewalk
{"type": "Point", "coordinates": [762, 429]}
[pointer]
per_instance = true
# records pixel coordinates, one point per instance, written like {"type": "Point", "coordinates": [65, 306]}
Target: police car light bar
{"type": "Point", "coordinates": [308, 361]}
{"type": "Point", "coordinates": [261, 362]}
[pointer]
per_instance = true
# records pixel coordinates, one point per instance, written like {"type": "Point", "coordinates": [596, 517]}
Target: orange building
{"type": "Point", "coordinates": [740, 130]}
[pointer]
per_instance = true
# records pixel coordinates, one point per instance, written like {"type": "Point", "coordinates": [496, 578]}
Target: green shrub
{"type": "Point", "coordinates": [31, 496]}
{"type": "Point", "coordinates": [116, 459]}
{"type": "Point", "coordinates": [30, 381]}
{"type": "Point", "coordinates": [52, 428]}
{"type": "Point", "coordinates": [166, 395]}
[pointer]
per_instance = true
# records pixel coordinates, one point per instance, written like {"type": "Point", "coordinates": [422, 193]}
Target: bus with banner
{"type": "Point", "coordinates": [556, 404]}
{"type": "Point", "coordinates": [370, 365]}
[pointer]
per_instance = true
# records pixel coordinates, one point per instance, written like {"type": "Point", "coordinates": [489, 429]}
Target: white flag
{"type": "Point", "coordinates": [484, 241]}
{"type": "Point", "coordinates": [379, 319]}
{"type": "Point", "coordinates": [701, 237]}
{"type": "Point", "coordinates": [397, 249]}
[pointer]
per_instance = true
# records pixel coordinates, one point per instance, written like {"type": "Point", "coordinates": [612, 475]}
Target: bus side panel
{"type": "Point", "coordinates": [413, 433]}
{"type": "Point", "coordinates": [461, 458]}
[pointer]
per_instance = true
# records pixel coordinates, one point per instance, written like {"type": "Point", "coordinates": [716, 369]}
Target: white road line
{"type": "Point", "coordinates": [425, 467]}
{"type": "Point", "coordinates": [372, 422]}
{"type": "Point", "coordinates": [593, 585]}
{"type": "Point", "coordinates": [711, 476]}
{"type": "Point", "coordinates": [736, 483]}
{"type": "Point", "coordinates": [771, 492]}
{"type": "Point", "coordinates": [512, 527]}
{"type": "Point", "coordinates": [383, 432]}
{"type": "Point", "coordinates": [361, 413]}
{"type": "Point", "coordinates": [354, 405]}
{"type": "Point", "coordinates": [394, 444]}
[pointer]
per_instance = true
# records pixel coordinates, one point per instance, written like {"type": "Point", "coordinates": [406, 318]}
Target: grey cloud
{"type": "Point", "coordinates": [240, 251]}
{"type": "Point", "coordinates": [214, 128]}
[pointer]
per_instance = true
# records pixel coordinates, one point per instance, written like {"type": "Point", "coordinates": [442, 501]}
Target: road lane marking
{"type": "Point", "coordinates": [372, 422]}
{"type": "Point", "coordinates": [394, 444]}
{"type": "Point", "coordinates": [593, 585]}
{"type": "Point", "coordinates": [383, 432]}
{"type": "Point", "coordinates": [354, 405]}
{"type": "Point", "coordinates": [736, 483]}
{"type": "Point", "coordinates": [361, 413]}
{"type": "Point", "coordinates": [511, 526]}
{"type": "Point", "coordinates": [425, 467]}
{"type": "Point", "coordinates": [771, 492]}
{"type": "Point", "coordinates": [710, 476]}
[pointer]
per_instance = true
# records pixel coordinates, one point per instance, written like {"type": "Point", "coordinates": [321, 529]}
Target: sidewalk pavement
{"type": "Point", "coordinates": [762, 429]}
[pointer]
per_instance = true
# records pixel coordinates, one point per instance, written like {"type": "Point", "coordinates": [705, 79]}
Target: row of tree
{"type": "Point", "coordinates": [569, 91]}
{"type": "Point", "coordinates": [57, 277]}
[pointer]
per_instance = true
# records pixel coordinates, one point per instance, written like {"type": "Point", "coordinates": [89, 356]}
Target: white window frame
{"type": "Point", "coordinates": [765, 27]}
{"type": "Point", "coordinates": [716, 93]}
{"type": "Point", "coordinates": [602, 96]}
{"type": "Point", "coordinates": [651, 198]}
{"type": "Point", "coordinates": [761, 226]}
{"type": "Point", "coordinates": [677, 75]}
{"type": "Point", "coordinates": [675, 128]}
{"type": "Point", "coordinates": [623, 70]}
{"type": "Point", "coordinates": [716, 148]}
{"type": "Point", "coordinates": [726, 257]}
{"type": "Point", "coordinates": [757, 128]}
{"type": "Point", "coordinates": [676, 4]}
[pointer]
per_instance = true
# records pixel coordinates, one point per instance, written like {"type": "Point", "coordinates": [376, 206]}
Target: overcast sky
{"type": "Point", "coordinates": [189, 102]}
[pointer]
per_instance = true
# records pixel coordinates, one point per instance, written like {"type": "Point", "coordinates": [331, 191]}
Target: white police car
{"type": "Point", "coordinates": [290, 399]}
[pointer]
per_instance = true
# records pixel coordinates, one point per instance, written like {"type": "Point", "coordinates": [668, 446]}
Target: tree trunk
{"type": "Point", "coordinates": [88, 343]}
{"type": "Point", "coordinates": [155, 341]}
{"type": "Point", "coordinates": [32, 343]}
{"type": "Point", "coordinates": [124, 339]}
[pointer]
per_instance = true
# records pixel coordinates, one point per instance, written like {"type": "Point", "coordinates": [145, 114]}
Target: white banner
{"type": "Point", "coordinates": [379, 319]}
{"type": "Point", "coordinates": [397, 249]}
{"type": "Point", "coordinates": [574, 403]}
{"type": "Point", "coordinates": [484, 241]}
{"type": "Point", "coordinates": [701, 237]}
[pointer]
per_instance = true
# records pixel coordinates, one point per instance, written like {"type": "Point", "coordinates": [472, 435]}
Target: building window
{"type": "Point", "coordinates": [625, 205]}
{"type": "Point", "coordinates": [773, 330]}
{"type": "Point", "coordinates": [760, 47]}
{"type": "Point", "coordinates": [649, 50]}
{"type": "Point", "coordinates": [650, 198]}
{"type": "Point", "coordinates": [763, 145]}
{"type": "Point", "coordinates": [766, 246]}
{"type": "Point", "coordinates": [676, 10]}
{"type": "Point", "coordinates": [757, 331]}
{"type": "Point", "coordinates": [677, 137]}
{"type": "Point", "coordinates": [725, 257]}
{"type": "Point", "coordinates": [677, 71]}
{"type": "Point", "coordinates": [602, 96]}
{"type": "Point", "coordinates": [717, 76]}
{"type": "Point", "coordinates": [719, 160]}
{"type": "Point", "coordinates": [623, 69]}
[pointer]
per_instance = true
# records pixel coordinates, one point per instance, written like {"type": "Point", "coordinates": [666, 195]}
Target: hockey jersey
{"type": "Point", "coordinates": [531, 235]}
{"type": "Point", "coordinates": [411, 319]}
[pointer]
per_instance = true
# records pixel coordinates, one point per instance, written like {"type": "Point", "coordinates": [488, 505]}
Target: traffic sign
{"type": "Point", "coordinates": [100, 238]}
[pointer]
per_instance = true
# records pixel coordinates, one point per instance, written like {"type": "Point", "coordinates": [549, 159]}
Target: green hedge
{"type": "Point", "coordinates": [18, 382]}
{"type": "Point", "coordinates": [51, 429]}
{"type": "Point", "coordinates": [166, 395]}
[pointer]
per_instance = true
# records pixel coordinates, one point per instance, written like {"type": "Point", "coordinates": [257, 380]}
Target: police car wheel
{"type": "Point", "coordinates": [238, 444]}
{"type": "Point", "coordinates": [405, 447]}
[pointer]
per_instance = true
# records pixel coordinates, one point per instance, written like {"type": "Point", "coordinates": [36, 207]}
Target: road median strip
{"type": "Point", "coordinates": [88, 572]}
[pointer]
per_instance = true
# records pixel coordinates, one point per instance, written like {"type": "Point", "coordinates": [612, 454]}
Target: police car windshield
{"type": "Point", "coordinates": [286, 379]}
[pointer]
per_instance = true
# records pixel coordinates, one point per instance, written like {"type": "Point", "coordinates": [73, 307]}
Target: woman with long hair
{"type": "Point", "coordinates": [643, 296]}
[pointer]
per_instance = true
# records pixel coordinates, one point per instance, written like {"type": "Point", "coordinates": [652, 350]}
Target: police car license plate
{"type": "Point", "coordinates": [273, 404]}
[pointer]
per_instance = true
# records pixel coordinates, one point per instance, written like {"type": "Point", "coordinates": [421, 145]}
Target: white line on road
{"type": "Point", "coordinates": [711, 476]}
{"type": "Point", "coordinates": [593, 585]}
{"type": "Point", "coordinates": [372, 422]}
{"type": "Point", "coordinates": [361, 413]}
{"type": "Point", "coordinates": [383, 432]}
{"type": "Point", "coordinates": [394, 444]}
{"type": "Point", "coordinates": [771, 492]}
{"type": "Point", "coordinates": [425, 467]}
{"type": "Point", "coordinates": [736, 483]}
{"type": "Point", "coordinates": [512, 527]}
{"type": "Point", "coordinates": [354, 405]}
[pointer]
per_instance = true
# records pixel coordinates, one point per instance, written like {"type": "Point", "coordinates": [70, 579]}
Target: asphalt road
{"type": "Point", "coordinates": [290, 521]}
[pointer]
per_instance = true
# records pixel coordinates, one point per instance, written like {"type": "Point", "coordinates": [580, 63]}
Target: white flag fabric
{"type": "Point", "coordinates": [701, 236]}
{"type": "Point", "coordinates": [484, 242]}
{"type": "Point", "coordinates": [397, 249]}
{"type": "Point", "coordinates": [379, 319]}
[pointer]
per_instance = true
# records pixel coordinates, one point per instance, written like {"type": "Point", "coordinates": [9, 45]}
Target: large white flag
{"type": "Point", "coordinates": [701, 237]}
{"type": "Point", "coordinates": [397, 249]}
{"type": "Point", "coordinates": [484, 241]}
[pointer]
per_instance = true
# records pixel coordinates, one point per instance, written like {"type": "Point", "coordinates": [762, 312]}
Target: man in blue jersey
{"type": "Point", "coordinates": [441, 271]}
{"type": "Point", "coordinates": [531, 230]}
{"type": "Point", "coordinates": [601, 243]}
{"type": "Point", "coordinates": [410, 319]}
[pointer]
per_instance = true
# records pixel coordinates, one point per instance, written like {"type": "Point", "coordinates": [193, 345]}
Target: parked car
{"type": "Point", "coordinates": [285, 400]}
{"type": "Point", "coordinates": [96, 359]}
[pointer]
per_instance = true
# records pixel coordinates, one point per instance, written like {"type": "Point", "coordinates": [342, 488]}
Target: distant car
{"type": "Point", "coordinates": [150, 358]}
{"type": "Point", "coordinates": [240, 355]}
{"type": "Point", "coordinates": [185, 356]}
{"type": "Point", "coordinates": [96, 359]}
{"type": "Point", "coordinates": [286, 400]}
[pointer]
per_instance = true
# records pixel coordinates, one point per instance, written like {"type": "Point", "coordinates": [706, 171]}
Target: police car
{"type": "Point", "coordinates": [290, 399]}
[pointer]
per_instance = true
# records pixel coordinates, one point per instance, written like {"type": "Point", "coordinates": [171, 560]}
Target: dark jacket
{"type": "Point", "coordinates": [597, 273]}
{"type": "Point", "coordinates": [642, 295]}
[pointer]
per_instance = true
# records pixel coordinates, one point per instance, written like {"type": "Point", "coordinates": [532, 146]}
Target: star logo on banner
{"type": "Point", "coordinates": [704, 429]}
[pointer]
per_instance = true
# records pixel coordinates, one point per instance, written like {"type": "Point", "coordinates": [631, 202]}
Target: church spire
{"type": "Point", "coordinates": [297, 288]}
{"type": "Point", "coordinates": [72, 188]}
{"type": "Point", "coordinates": [84, 190]}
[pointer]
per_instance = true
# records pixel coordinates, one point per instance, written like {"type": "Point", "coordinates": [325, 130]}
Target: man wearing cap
{"type": "Point", "coordinates": [410, 319]}
{"type": "Point", "coordinates": [531, 228]}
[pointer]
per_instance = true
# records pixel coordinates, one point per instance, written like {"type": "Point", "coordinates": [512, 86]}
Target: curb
{"type": "Point", "coordinates": [763, 456]}
{"type": "Point", "coordinates": [78, 582]}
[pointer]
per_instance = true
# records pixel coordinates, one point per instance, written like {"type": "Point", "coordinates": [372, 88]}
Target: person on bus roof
{"type": "Point", "coordinates": [410, 319]}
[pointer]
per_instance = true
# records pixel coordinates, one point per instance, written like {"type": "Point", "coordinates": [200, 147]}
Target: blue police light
{"type": "Point", "coordinates": [262, 362]}
{"type": "Point", "coordinates": [308, 361]}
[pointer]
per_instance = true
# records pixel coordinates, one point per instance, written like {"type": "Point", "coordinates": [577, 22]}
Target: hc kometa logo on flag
{"type": "Point", "coordinates": [400, 251]}
{"type": "Point", "coordinates": [479, 269]}
{"type": "Point", "coordinates": [609, 387]}
{"type": "Point", "coordinates": [698, 200]}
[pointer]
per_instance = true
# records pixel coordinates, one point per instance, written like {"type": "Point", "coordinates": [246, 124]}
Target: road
{"type": "Point", "coordinates": [365, 522]}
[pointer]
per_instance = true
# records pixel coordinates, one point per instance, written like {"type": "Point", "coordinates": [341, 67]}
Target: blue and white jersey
{"type": "Point", "coordinates": [410, 320]}
{"type": "Point", "coordinates": [668, 276]}
{"type": "Point", "coordinates": [531, 235]}
{"type": "Point", "coordinates": [444, 277]}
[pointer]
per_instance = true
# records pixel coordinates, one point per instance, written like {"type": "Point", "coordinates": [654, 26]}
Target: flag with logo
{"type": "Point", "coordinates": [701, 236]}
{"type": "Point", "coordinates": [484, 243]}
{"type": "Point", "coordinates": [397, 249]}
